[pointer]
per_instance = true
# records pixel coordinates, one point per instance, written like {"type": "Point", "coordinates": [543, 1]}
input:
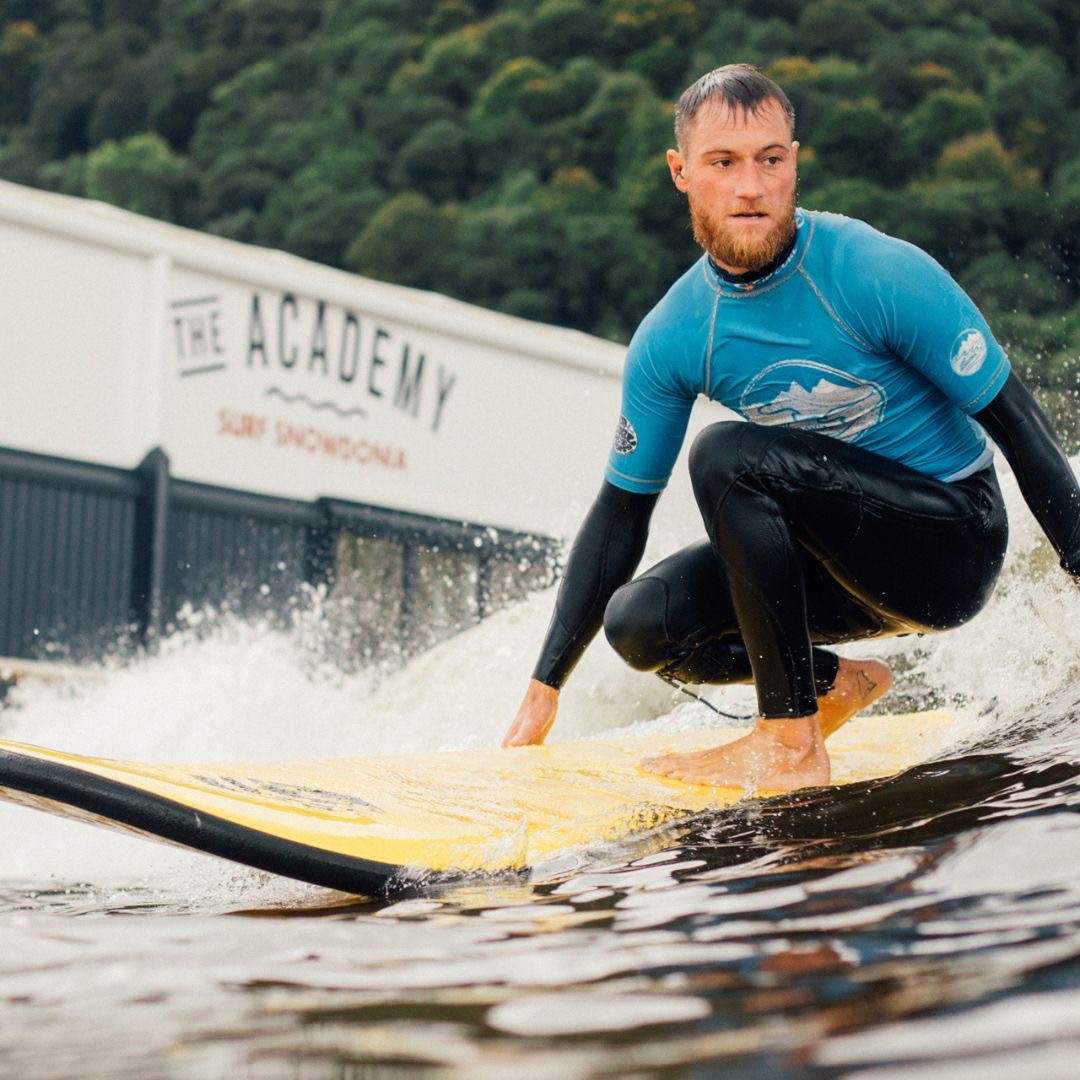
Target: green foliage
{"type": "Point", "coordinates": [140, 174]}
{"type": "Point", "coordinates": [393, 117]}
{"type": "Point", "coordinates": [981, 157]}
{"type": "Point", "coordinates": [321, 208]}
{"type": "Point", "coordinates": [942, 117]}
{"type": "Point", "coordinates": [449, 15]}
{"type": "Point", "coordinates": [523, 85]}
{"type": "Point", "coordinates": [860, 199]}
{"type": "Point", "coordinates": [1002, 283]}
{"type": "Point", "coordinates": [633, 25]}
{"type": "Point", "coordinates": [661, 63]}
{"type": "Point", "coordinates": [955, 220]}
{"type": "Point", "coordinates": [79, 67]}
{"type": "Point", "coordinates": [67, 177]}
{"type": "Point", "coordinates": [815, 88]}
{"type": "Point", "coordinates": [563, 29]}
{"type": "Point", "coordinates": [839, 27]}
{"type": "Point", "coordinates": [408, 241]}
{"type": "Point", "coordinates": [1029, 103]}
{"type": "Point", "coordinates": [730, 35]}
{"type": "Point", "coordinates": [340, 16]}
{"type": "Point", "coordinates": [436, 161]}
{"type": "Point", "coordinates": [859, 138]}
{"type": "Point", "coordinates": [603, 127]}
{"type": "Point", "coordinates": [22, 49]}
{"type": "Point", "coordinates": [511, 152]}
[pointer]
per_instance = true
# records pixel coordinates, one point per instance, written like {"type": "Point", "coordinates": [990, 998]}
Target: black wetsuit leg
{"type": "Point", "coordinates": [678, 619]}
{"type": "Point", "coordinates": [812, 541]}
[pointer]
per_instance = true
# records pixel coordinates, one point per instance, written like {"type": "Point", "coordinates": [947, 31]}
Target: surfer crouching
{"type": "Point", "coordinates": [860, 500]}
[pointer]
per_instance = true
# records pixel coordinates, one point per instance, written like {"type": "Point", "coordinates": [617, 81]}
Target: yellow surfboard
{"type": "Point", "coordinates": [372, 825]}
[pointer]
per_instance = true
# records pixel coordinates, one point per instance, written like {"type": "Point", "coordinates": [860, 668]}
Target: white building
{"type": "Point", "coordinates": [256, 370]}
{"type": "Point", "coordinates": [186, 420]}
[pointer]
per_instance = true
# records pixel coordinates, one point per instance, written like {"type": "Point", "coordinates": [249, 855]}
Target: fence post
{"type": "Point", "coordinates": [408, 628]}
{"type": "Point", "coordinates": [151, 539]}
{"type": "Point", "coordinates": [320, 547]}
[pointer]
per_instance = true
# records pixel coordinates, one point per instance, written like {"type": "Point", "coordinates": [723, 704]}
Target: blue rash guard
{"type": "Point", "coordinates": [856, 335]}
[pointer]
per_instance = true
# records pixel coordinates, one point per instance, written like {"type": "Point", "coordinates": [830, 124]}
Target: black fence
{"type": "Point", "coordinates": [96, 559]}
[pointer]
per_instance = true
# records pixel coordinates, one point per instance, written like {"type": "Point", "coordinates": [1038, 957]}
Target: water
{"type": "Point", "coordinates": [921, 926]}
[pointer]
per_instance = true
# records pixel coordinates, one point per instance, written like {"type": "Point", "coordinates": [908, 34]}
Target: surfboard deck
{"type": "Point", "coordinates": [374, 825]}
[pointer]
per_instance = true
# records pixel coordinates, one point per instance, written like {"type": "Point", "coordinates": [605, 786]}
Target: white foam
{"type": "Point", "coordinates": [1023, 648]}
{"type": "Point", "coordinates": [567, 1013]}
{"type": "Point", "coordinates": [232, 690]}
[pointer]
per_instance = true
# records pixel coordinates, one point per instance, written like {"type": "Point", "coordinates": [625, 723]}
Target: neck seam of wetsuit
{"type": "Point", "coordinates": [752, 277]}
{"type": "Point", "coordinates": [780, 276]}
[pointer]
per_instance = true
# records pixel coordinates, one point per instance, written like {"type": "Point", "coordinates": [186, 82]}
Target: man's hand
{"type": "Point", "coordinates": [534, 717]}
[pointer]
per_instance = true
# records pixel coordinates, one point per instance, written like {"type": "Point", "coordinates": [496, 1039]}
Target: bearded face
{"type": "Point", "coordinates": [738, 169]}
{"type": "Point", "coordinates": [730, 243]}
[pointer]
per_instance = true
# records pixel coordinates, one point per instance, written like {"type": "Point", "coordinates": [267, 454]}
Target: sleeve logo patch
{"type": "Point", "coordinates": [625, 438]}
{"type": "Point", "coordinates": [968, 352]}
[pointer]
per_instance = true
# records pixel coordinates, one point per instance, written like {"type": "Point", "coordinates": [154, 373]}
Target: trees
{"type": "Point", "coordinates": [407, 241]}
{"type": "Point", "coordinates": [78, 68]}
{"type": "Point", "coordinates": [511, 152]}
{"type": "Point", "coordinates": [943, 116]}
{"type": "Point", "coordinates": [321, 208]}
{"type": "Point", "coordinates": [22, 49]}
{"type": "Point", "coordinates": [859, 138]}
{"type": "Point", "coordinates": [141, 174]}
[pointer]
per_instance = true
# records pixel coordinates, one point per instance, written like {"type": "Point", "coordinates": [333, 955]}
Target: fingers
{"type": "Point", "coordinates": [518, 736]}
{"type": "Point", "coordinates": [534, 717]}
{"type": "Point", "coordinates": [528, 730]}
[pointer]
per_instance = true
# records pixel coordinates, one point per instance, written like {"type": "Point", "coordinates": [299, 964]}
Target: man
{"type": "Point", "coordinates": [860, 500]}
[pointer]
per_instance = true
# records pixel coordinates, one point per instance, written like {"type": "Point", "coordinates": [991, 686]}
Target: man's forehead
{"type": "Point", "coordinates": [717, 117]}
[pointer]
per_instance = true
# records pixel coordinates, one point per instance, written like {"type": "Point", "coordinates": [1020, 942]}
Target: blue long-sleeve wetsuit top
{"type": "Point", "coordinates": [856, 335]}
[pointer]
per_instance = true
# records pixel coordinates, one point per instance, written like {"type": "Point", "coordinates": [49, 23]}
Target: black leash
{"type": "Point", "coordinates": [681, 687]}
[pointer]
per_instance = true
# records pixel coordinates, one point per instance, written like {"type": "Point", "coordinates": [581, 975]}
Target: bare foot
{"type": "Point", "coordinates": [778, 755]}
{"type": "Point", "coordinates": [859, 683]}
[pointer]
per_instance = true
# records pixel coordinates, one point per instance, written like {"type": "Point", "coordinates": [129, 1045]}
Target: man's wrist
{"type": "Point", "coordinates": [541, 691]}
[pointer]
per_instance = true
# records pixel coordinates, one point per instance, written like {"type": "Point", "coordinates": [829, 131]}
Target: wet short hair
{"type": "Point", "coordinates": [742, 87]}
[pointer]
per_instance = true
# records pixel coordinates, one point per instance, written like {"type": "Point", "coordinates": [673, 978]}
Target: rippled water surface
{"type": "Point", "coordinates": [925, 925]}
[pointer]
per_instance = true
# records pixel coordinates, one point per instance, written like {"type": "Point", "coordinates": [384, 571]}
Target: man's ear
{"type": "Point", "coordinates": [676, 165]}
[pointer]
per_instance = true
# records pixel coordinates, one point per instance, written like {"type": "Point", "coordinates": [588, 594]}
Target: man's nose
{"type": "Point", "coordinates": [748, 182]}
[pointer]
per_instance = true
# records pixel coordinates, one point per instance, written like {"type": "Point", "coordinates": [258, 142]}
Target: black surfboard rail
{"type": "Point", "coordinates": [163, 819]}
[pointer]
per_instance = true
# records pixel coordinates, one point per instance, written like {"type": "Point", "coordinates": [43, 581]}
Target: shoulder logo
{"type": "Point", "coordinates": [625, 437]}
{"type": "Point", "coordinates": [968, 352]}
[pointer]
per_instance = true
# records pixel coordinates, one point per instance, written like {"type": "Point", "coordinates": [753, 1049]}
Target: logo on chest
{"type": "Point", "coordinates": [813, 396]}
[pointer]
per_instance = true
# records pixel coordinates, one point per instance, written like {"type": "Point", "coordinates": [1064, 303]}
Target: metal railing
{"type": "Point", "coordinates": [95, 559]}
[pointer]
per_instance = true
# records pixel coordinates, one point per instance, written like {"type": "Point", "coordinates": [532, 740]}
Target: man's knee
{"type": "Point", "coordinates": [634, 623]}
{"type": "Point", "coordinates": [714, 460]}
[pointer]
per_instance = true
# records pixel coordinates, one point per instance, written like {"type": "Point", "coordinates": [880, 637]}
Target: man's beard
{"type": "Point", "coordinates": [727, 248]}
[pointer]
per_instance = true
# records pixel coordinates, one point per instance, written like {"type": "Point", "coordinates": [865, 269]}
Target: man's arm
{"type": "Point", "coordinates": [604, 555]}
{"type": "Point", "coordinates": [1020, 428]}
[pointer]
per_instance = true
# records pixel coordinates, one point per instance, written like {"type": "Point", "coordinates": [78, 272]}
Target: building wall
{"type": "Point", "coordinates": [266, 373]}
{"type": "Point", "coordinates": [188, 421]}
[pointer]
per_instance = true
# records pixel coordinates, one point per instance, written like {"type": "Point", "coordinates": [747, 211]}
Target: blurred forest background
{"type": "Point", "coordinates": [511, 152]}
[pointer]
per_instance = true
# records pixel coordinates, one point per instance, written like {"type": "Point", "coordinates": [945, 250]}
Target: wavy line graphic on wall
{"type": "Point", "coordinates": [318, 406]}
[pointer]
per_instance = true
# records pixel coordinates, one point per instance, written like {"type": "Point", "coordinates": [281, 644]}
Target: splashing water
{"type": "Point", "coordinates": [223, 688]}
{"type": "Point", "coordinates": [917, 926]}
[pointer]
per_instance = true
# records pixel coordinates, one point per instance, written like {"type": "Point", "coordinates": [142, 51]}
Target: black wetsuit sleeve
{"type": "Point", "coordinates": [604, 555]}
{"type": "Point", "coordinates": [1020, 428]}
